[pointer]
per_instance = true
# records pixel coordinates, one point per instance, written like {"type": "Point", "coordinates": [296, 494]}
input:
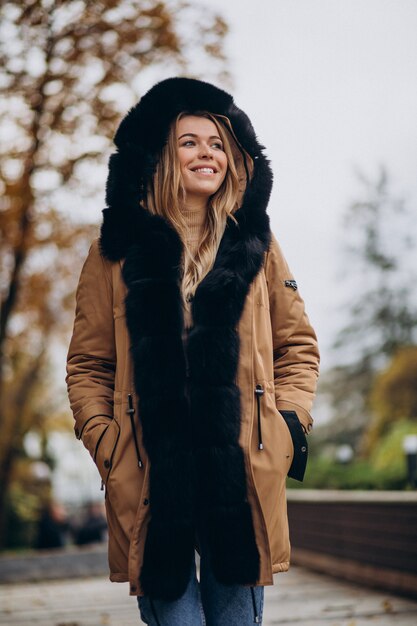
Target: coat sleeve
{"type": "Point", "coordinates": [296, 354]}
{"type": "Point", "coordinates": [91, 358]}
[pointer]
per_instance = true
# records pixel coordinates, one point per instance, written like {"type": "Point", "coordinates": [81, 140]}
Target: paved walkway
{"type": "Point", "coordinates": [299, 598]}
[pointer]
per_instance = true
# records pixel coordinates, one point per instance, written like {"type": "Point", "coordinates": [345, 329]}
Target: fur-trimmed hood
{"type": "Point", "coordinates": [139, 140]}
{"type": "Point", "coordinates": [197, 468]}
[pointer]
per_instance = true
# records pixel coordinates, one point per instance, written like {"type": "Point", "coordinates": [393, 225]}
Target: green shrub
{"type": "Point", "coordinates": [385, 469]}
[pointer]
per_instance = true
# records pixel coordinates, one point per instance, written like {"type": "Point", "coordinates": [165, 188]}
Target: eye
{"type": "Point", "coordinates": [218, 145]}
{"type": "Point", "coordinates": [188, 142]}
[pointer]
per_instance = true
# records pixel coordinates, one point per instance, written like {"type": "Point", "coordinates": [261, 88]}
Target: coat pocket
{"type": "Point", "coordinates": [105, 448]}
{"type": "Point", "coordinates": [299, 462]}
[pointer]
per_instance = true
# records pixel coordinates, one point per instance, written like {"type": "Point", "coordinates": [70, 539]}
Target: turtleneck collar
{"type": "Point", "coordinates": [196, 220]}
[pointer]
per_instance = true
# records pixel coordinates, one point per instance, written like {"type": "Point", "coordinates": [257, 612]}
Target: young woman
{"type": "Point", "coordinates": [192, 365]}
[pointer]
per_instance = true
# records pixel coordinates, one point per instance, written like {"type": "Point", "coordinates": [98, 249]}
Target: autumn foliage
{"type": "Point", "coordinates": [70, 69]}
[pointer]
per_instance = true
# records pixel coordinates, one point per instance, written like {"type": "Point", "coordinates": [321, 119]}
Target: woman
{"type": "Point", "coordinates": [192, 366]}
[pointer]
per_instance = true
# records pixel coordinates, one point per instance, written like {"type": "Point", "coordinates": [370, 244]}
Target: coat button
{"type": "Point", "coordinates": [107, 463]}
{"type": "Point", "coordinates": [146, 501]}
{"type": "Point", "coordinates": [303, 449]}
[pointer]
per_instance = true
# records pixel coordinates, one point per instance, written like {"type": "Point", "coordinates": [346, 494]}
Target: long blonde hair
{"type": "Point", "coordinates": [166, 195]}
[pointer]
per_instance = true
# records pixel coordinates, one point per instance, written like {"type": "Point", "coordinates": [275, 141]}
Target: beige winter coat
{"type": "Point", "coordinates": [278, 352]}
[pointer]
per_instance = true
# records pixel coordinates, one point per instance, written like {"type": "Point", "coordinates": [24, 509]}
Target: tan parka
{"type": "Point", "coordinates": [278, 350]}
{"type": "Point", "coordinates": [208, 444]}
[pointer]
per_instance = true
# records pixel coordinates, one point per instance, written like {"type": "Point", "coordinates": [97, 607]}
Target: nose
{"type": "Point", "coordinates": [205, 152]}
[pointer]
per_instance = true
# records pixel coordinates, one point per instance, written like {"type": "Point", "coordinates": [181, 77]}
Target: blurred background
{"type": "Point", "coordinates": [331, 89]}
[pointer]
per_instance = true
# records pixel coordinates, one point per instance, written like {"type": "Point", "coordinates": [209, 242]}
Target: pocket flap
{"type": "Point", "coordinates": [299, 463]}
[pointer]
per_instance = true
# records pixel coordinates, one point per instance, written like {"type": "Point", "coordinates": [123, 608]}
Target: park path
{"type": "Point", "coordinates": [299, 598]}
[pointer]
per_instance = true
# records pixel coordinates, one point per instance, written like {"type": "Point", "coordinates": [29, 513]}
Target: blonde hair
{"type": "Point", "coordinates": [166, 195]}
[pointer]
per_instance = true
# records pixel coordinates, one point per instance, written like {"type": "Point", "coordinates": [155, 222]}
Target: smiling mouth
{"type": "Point", "coordinates": [207, 171]}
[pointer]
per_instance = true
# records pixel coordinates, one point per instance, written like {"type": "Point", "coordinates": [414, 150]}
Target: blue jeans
{"type": "Point", "coordinates": [206, 603]}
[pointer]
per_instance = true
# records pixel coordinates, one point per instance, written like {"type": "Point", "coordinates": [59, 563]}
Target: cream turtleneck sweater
{"type": "Point", "coordinates": [196, 219]}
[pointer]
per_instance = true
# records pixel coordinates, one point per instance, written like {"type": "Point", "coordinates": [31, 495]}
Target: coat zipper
{"type": "Point", "coordinates": [95, 454]}
{"type": "Point", "coordinates": [256, 616]}
{"type": "Point", "coordinates": [131, 412]}
{"type": "Point", "coordinates": [259, 391]}
{"type": "Point", "coordinates": [89, 420]}
{"type": "Point", "coordinates": [98, 442]}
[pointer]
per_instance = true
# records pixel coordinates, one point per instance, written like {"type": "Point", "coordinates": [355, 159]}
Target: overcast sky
{"type": "Point", "coordinates": [329, 85]}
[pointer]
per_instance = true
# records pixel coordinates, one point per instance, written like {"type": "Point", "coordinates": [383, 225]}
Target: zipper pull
{"type": "Point", "coordinates": [256, 616]}
{"type": "Point", "coordinates": [130, 410]}
{"type": "Point", "coordinates": [259, 391]}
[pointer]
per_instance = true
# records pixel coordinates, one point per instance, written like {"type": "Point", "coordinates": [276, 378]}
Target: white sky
{"type": "Point", "coordinates": [328, 85]}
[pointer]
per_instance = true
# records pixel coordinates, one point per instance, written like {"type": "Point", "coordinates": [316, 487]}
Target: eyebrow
{"type": "Point", "coordinates": [194, 135]}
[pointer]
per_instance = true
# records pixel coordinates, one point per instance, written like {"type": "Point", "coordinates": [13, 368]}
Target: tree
{"type": "Point", "coordinates": [393, 396]}
{"type": "Point", "coordinates": [382, 314]}
{"type": "Point", "coordinates": [69, 69]}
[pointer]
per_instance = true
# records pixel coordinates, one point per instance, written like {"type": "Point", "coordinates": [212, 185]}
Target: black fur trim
{"type": "Point", "coordinates": [197, 473]}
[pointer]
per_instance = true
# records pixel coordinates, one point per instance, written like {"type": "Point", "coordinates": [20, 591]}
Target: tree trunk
{"type": "Point", "coordinates": [5, 478]}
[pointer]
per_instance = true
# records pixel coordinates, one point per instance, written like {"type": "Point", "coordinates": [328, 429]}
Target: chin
{"type": "Point", "coordinates": [205, 192]}
{"type": "Point", "coordinates": [201, 193]}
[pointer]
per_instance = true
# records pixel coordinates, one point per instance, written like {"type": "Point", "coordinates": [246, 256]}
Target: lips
{"type": "Point", "coordinates": [204, 170]}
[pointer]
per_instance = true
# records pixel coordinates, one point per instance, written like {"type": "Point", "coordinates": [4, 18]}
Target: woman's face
{"type": "Point", "coordinates": [203, 161]}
